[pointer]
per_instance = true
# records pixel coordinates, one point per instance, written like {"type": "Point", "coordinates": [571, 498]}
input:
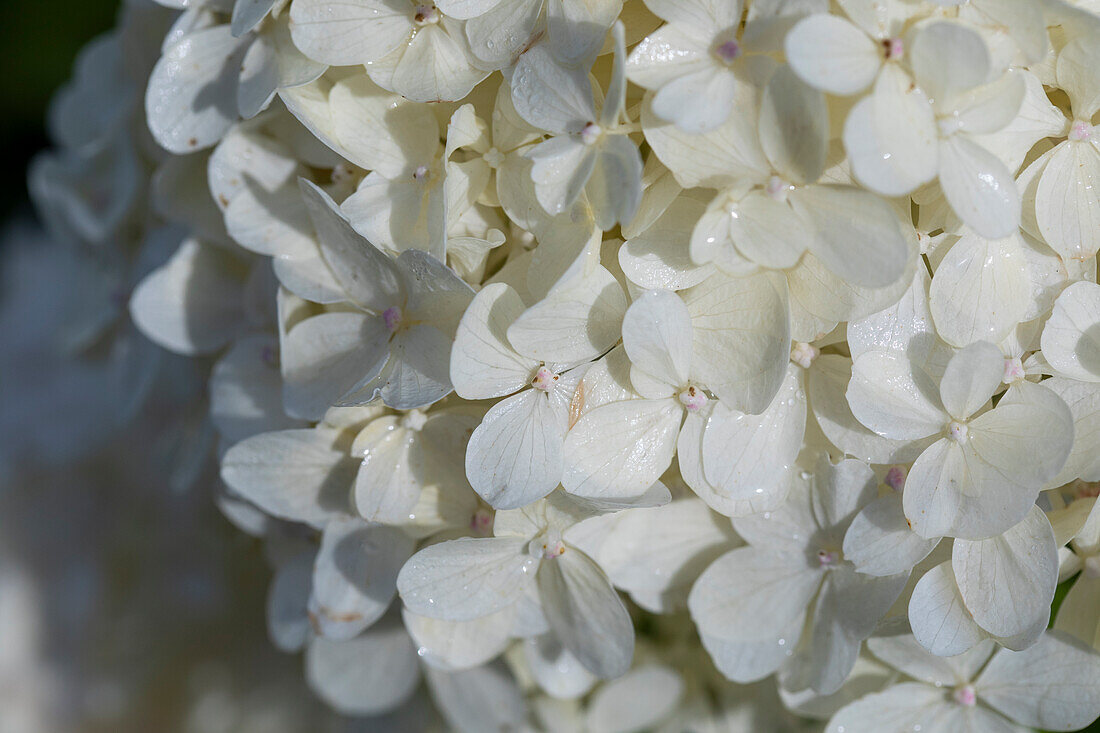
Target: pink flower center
{"type": "Point", "coordinates": [728, 51]}
{"type": "Point", "coordinates": [1080, 131]}
{"type": "Point", "coordinates": [828, 558]}
{"type": "Point", "coordinates": [958, 431]}
{"type": "Point", "coordinates": [803, 354]}
{"type": "Point", "coordinates": [893, 48]}
{"type": "Point", "coordinates": [426, 14]}
{"type": "Point", "coordinates": [421, 173]}
{"type": "Point", "coordinates": [966, 696]}
{"type": "Point", "coordinates": [392, 318]}
{"type": "Point", "coordinates": [591, 133]}
{"type": "Point", "coordinates": [693, 399]}
{"type": "Point", "coordinates": [544, 379]}
{"type": "Point", "coordinates": [481, 523]}
{"type": "Point", "coordinates": [895, 478]}
{"type": "Point", "coordinates": [1014, 370]}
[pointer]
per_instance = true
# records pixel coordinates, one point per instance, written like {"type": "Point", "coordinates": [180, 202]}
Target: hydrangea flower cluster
{"type": "Point", "coordinates": [714, 365]}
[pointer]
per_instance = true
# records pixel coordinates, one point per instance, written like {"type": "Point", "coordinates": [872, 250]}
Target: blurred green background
{"type": "Point", "coordinates": [39, 40]}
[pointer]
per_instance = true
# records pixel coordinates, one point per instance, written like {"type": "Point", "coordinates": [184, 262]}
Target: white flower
{"type": "Point", "coordinates": [397, 341]}
{"type": "Point", "coordinates": [469, 578]}
{"type": "Point", "coordinates": [973, 692]}
{"type": "Point", "coordinates": [589, 150]}
{"type": "Point", "coordinates": [412, 48]}
{"type": "Point", "coordinates": [752, 604]}
{"type": "Point", "coordinates": [986, 468]}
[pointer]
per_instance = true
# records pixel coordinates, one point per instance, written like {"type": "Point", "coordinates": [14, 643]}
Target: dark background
{"type": "Point", "coordinates": [39, 40]}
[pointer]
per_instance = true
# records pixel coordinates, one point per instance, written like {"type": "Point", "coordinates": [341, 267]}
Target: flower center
{"type": "Point", "coordinates": [392, 318]}
{"type": "Point", "coordinates": [777, 188]}
{"type": "Point", "coordinates": [547, 546]}
{"type": "Point", "coordinates": [958, 431]}
{"type": "Point", "coordinates": [493, 157]}
{"type": "Point", "coordinates": [421, 173]}
{"type": "Point", "coordinates": [414, 420]}
{"type": "Point", "coordinates": [693, 399]}
{"type": "Point", "coordinates": [591, 133]}
{"type": "Point", "coordinates": [892, 48]}
{"type": "Point", "coordinates": [828, 558]}
{"type": "Point", "coordinates": [1080, 131]}
{"type": "Point", "coordinates": [803, 354]}
{"type": "Point", "coordinates": [727, 51]}
{"type": "Point", "coordinates": [895, 478]}
{"type": "Point", "coordinates": [481, 523]}
{"type": "Point", "coordinates": [544, 379]}
{"type": "Point", "coordinates": [1014, 370]}
{"type": "Point", "coordinates": [426, 14]}
{"type": "Point", "coordinates": [966, 696]}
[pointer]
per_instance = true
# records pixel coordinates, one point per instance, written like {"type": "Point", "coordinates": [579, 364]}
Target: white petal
{"type": "Point", "coordinates": [436, 65]}
{"type": "Point", "coordinates": [657, 334]}
{"type": "Point", "coordinates": [483, 363]}
{"type": "Point", "coordinates": [971, 378]}
{"type": "Point", "coordinates": [748, 661]}
{"type": "Point", "coordinates": [515, 456]}
{"type": "Point", "coordinates": [891, 136]}
{"type": "Point", "coordinates": [1077, 615]}
{"type": "Point", "coordinates": [346, 33]}
{"type": "Point", "coordinates": [698, 101]}
{"type": "Point", "coordinates": [1071, 337]}
{"type": "Point", "coordinates": [879, 541]}
{"type": "Point", "coordinates": [551, 96]}
{"type": "Point", "coordinates": [615, 187]}
{"type": "Point", "coordinates": [499, 35]}
{"type": "Point", "coordinates": [831, 54]}
{"type": "Point", "coordinates": [479, 699]}
{"type": "Point", "coordinates": [620, 449]}
{"type": "Point", "coordinates": [856, 233]}
{"type": "Point", "coordinates": [355, 575]}
{"type": "Point", "coordinates": [1076, 72]}
{"type": "Point", "coordinates": [906, 655]}
{"type": "Point", "coordinates": [577, 30]}
{"type": "Point", "coordinates": [764, 230]}
{"type": "Point", "coordinates": [191, 100]}
{"type": "Point", "coordinates": [291, 474]}
{"type": "Point", "coordinates": [794, 125]}
{"type": "Point", "coordinates": [1054, 684]}
{"type": "Point", "coordinates": [751, 594]}
{"type": "Point", "coordinates": [664, 55]}
{"type": "Point", "coordinates": [637, 701]}
{"type": "Point", "coordinates": [747, 456]}
{"type": "Point", "coordinates": [556, 671]}
{"type": "Point", "coordinates": [658, 257]}
{"type": "Point", "coordinates": [905, 706]}
{"type": "Point", "coordinates": [452, 645]}
{"type": "Point", "coordinates": [562, 167]}
{"type": "Point", "coordinates": [327, 356]}
{"type": "Point", "coordinates": [577, 321]}
{"type": "Point", "coordinates": [367, 675]}
{"type": "Point", "coordinates": [1067, 199]}
{"type": "Point", "coordinates": [979, 187]}
{"type": "Point", "coordinates": [980, 290]}
{"type": "Point", "coordinates": [741, 335]}
{"type": "Point", "coordinates": [380, 130]}
{"type": "Point", "coordinates": [391, 472]}
{"type": "Point", "coordinates": [416, 374]}
{"type": "Point", "coordinates": [246, 390]}
{"type": "Point", "coordinates": [464, 579]}
{"type": "Point", "coordinates": [938, 616]}
{"type": "Point", "coordinates": [368, 276]}
{"type": "Point", "coordinates": [893, 397]}
{"type": "Point", "coordinates": [1083, 400]}
{"type": "Point", "coordinates": [948, 57]}
{"type": "Point", "coordinates": [586, 613]}
{"type": "Point", "coordinates": [658, 548]}
{"type": "Point", "coordinates": [828, 380]}
{"type": "Point", "coordinates": [287, 599]}
{"type": "Point", "coordinates": [1007, 582]}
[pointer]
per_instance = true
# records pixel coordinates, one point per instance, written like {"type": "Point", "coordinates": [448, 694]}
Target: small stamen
{"type": "Point", "coordinates": [958, 431]}
{"type": "Point", "coordinates": [426, 14]}
{"type": "Point", "coordinates": [591, 133]}
{"type": "Point", "coordinates": [494, 158]}
{"type": "Point", "coordinates": [892, 48]}
{"type": "Point", "coordinates": [828, 558]}
{"type": "Point", "coordinates": [481, 523]}
{"type": "Point", "coordinates": [421, 173]}
{"type": "Point", "coordinates": [693, 399]}
{"type": "Point", "coordinates": [544, 379]}
{"type": "Point", "coordinates": [414, 420]}
{"type": "Point", "coordinates": [803, 354]}
{"type": "Point", "coordinates": [777, 188]}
